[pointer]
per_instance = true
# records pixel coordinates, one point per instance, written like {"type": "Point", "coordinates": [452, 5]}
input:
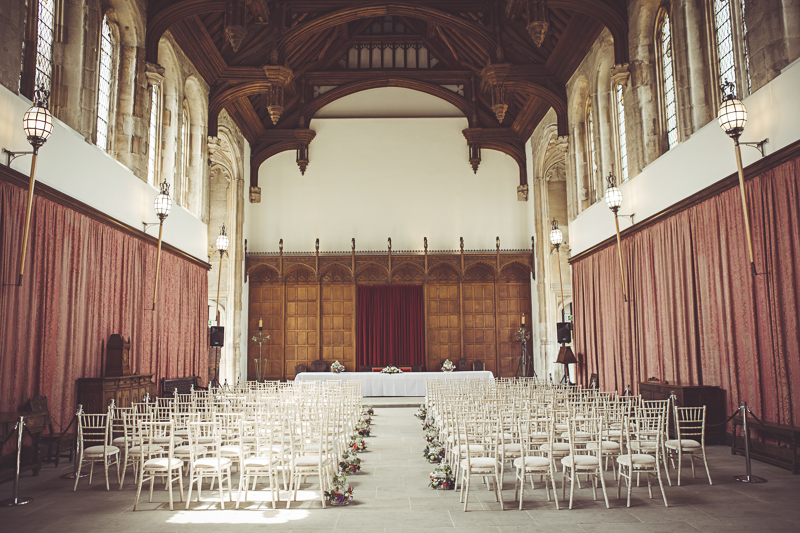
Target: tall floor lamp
{"type": "Point", "coordinates": [732, 117]}
{"type": "Point", "coordinates": [614, 201]}
{"type": "Point", "coordinates": [565, 355]}
{"type": "Point", "coordinates": [162, 205]}
{"type": "Point", "coordinates": [222, 245]}
{"type": "Point", "coordinates": [37, 122]}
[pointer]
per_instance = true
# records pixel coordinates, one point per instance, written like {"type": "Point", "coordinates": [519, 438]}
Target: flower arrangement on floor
{"type": "Point", "coordinates": [432, 434]}
{"type": "Point", "coordinates": [363, 429]}
{"type": "Point", "coordinates": [357, 444]}
{"type": "Point", "coordinates": [350, 463]}
{"type": "Point", "coordinates": [448, 366]}
{"type": "Point", "coordinates": [366, 419]}
{"type": "Point", "coordinates": [341, 492]}
{"type": "Point", "coordinates": [434, 452]}
{"type": "Point", "coordinates": [368, 410]}
{"type": "Point", "coordinates": [427, 424]}
{"type": "Point", "coordinates": [442, 478]}
{"type": "Point", "coordinates": [391, 370]}
{"type": "Point", "coordinates": [337, 367]}
{"type": "Point", "coordinates": [422, 412]}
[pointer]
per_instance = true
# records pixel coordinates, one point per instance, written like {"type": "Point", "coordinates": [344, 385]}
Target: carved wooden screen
{"type": "Point", "coordinates": [443, 310]}
{"type": "Point", "coordinates": [480, 328]}
{"type": "Point", "coordinates": [514, 292]}
{"type": "Point", "coordinates": [338, 318]}
{"type": "Point", "coordinates": [266, 303]}
{"type": "Point", "coordinates": [301, 319]}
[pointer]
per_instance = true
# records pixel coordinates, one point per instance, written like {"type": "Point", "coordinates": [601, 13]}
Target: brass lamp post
{"type": "Point", "coordinates": [614, 201]}
{"type": "Point", "coordinates": [222, 246]}
{"type": "Point", "coordinates": [556, 238]}
{"type": "Point", "coordinates": [162, 205]}
{"type": "Point", "coordinates": [37, 122]}
{"type": "Point", "coordinates": [732, 117]}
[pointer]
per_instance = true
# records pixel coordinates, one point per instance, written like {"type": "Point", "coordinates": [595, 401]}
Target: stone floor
{"type": "Point", "coordinates": [392, 496]}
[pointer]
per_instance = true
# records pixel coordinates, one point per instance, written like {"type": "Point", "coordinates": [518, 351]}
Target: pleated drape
{"type": "Point", "coordinates": [390, 325]}
{"type": "Point", "coordinates": [83, 282]}
{"type": "Point", "coordinates": [696, 315]}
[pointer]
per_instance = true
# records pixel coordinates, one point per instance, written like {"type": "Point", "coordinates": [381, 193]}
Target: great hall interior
{"type": "Point", "coordinates": [241, 241]}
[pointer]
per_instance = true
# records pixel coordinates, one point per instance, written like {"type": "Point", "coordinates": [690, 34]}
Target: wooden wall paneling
{"type": "Point", "coordinates": [338, 318]}
{"type": "Point", "coordinates": [301, 319]}
{"type": "Point", "coordinates": [443, 324]}
{"type": "Point", "coordinates": [319, 319]}
{"type": "Point", "coordinates": [265, 303]}
{"type": "Point", "coordinates": [514, 290]}
{"type": "Point", "coordinates": [497, 329]}
{"type": "Point", "coordinates": [480, 331]}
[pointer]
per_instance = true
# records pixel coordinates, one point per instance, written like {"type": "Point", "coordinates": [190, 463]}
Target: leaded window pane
{"type": "Point", "coordinates": [669, 84]}
{"type": "Point", "coordinates": [104, 86]}
{"type": "Point", "coordinates": [623, 145]}
{"type": "Point", "coordinates": [44, 43]}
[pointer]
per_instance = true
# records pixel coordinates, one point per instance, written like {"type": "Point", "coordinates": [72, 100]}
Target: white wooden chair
{"type": "Point", "coordinates": [643, 435]}
{"type": "Point", "coordinates": [94, 445]}
{"type": "Point", "coordinates": [206, 461]}
{"type": "Point", "coordinates": [690, 422]}
{"type": "Point", "coordinates": [166, 467]}
{"type": "Point", "coordinates": [535, 461]}
{"type": "Point", "coordinates": [585, 458]}
{"type": "Point", "coordinates": [487, 431]}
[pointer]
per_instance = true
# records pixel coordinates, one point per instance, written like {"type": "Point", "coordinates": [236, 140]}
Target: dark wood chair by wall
{"type": "Point", "coordinates": [462, 365]}
{"type": "Point", "coordinates": [365, 368]}
{"type": "Point", "coordinates": [57, 444]}
{"type": "Point", "coordinates": [478, 366]}
{"type": "Point", "coordinates": [299, 369]}
{"type": "Point", "coordinates": [318, 366]}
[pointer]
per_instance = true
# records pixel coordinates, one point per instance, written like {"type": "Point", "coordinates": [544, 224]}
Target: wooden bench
{"type": "Point", "coordinates": [184, 385]}
{"type": "Point", "coordinates": [766, 452]}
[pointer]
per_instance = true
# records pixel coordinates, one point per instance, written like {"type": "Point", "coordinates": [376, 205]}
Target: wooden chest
{"type": "Point", "coordinates": [95, 394]}
{"type": "Point", "coordinates": [691, 396]}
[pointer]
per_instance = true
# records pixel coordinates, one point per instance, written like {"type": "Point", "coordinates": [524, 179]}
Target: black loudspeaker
{"type": "Point", "coordinates": [217, 336]}
{"type": "Point", "coordinates": [564, 332]}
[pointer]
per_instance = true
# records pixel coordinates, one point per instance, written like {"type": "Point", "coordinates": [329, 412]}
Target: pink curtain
{"type": "Point", "coordinates": [83, 282]}
{"type": "Point", "coordinates": [695, 313]}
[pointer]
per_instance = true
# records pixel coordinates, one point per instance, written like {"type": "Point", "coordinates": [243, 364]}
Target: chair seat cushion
{"type": "Point", "coordinates": [120, 441]}
{"type": "Point", "coordinates": [474, 448]}
{"type": "Point", "coordinates": [638, 459]}
{"type": "Point", "coordinates": [606, 446]}
{"type": "Point", "coordinates": [557, 447]}
{"type": "Point", "coordinates": [581, 461]}
{"type": "Point", "coordinates": [258, 462]}
{"type": "Point", "coordinates": [512, 448]}
{"type": "Point", "coordinates": [532, 462]}
{"type": "Point", "coordinates": [578, 435]}
{"type": "Point", "coordinates": [162, 463]}
{"type": "Point", "coordinates": [309, 460]}
{"type": "Point", "coordinates": [212, 463]}
{"type": "Point", "coordinates": [148, 448]}
{"type": "Point", "coordinates": [97, 451]}
{"type": "Point", "coordinates": [683, 443]}
{"type": "Point", "coordinates": [480, 463]}
{"type": "Point", "coordinates": [232, 449]}
{"type": "Point", "coordinates": [198, 449]}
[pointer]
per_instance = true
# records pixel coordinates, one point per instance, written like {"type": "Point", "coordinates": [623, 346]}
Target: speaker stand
{"type": "Point", "coordinates": [215, 382]}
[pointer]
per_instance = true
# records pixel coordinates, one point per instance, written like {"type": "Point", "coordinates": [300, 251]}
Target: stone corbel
{"type": "Point", "coordinates": [620, 74]}
{"type": "Point", "coordinates": [255, 195]}
{"type": "Point", "coordinates": [522, 193]}
{"type": "Point", "coordinates": [562, 144]}
{"type": "Point", "coordinates": [154, 73]}
{"type": "Point", "coordinates": [473, 137]}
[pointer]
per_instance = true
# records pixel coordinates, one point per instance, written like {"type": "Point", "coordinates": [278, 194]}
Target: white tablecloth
{"type": "Point", "coordinates": [405, 384]}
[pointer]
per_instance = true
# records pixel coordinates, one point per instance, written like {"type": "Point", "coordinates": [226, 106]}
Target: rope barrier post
{"type": "Point", "coordinates": [747, 478]}
{"type": "Point", "coordinates": [76, 461]}
{"type": "Point", "coordinates": [16, 500]}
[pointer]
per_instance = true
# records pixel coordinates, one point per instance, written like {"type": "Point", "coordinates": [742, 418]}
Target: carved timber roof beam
{"type": "Point", "coordinates": [161, 14]}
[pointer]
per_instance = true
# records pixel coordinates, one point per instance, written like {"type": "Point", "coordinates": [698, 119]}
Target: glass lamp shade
{"type": "Point", "coordinates": [556, 237]}
{"type": "Point", "coordinates": [163, 202]}
{"type": "Point", "coordinates": [732, 116]}
{"type": "Point", "coordinates": [222, 242]}
{"type": "Point", "coordinates": [613, 198]}
{"type": "Point", "coordinates": [38, 125]}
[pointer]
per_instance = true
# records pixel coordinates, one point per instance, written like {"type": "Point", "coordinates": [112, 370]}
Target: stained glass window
{"type": "Point", "coordinates": [668, 84]}
{"type": "Point", "coordinates": [44, 43]}
{"type": "Point", "coordinates": [153, 137]}
{"type": "Point", "coordinates": [623, 145]}
{"type": "Point", "coordinates": [104, 86]}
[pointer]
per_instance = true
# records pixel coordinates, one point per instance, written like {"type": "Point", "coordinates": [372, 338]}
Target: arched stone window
{"type": "Point", "coordinates": [730, 32]}
{"type": "Point", "coordinates": [591, 153]}
{"type": "Point", "coordinates": [37, 48]}
{"type": "Point", "coordinates": [106, 82]}
{"type": "Point", "coordinates": [154, 136]}
{"type": "Point", "coordinates": [622, 144]}
{"type": "Point", "coordinates": [185, 150]}
{"type": "Point", "coordinates": [666, 75]}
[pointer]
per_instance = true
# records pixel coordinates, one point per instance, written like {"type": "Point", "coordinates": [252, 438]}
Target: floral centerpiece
{"type": "Point", "coordinates": [442, 478]}
{"type": "Point", "coordinates": [363, 429]}
{"type": "Point", "coordinates": [350, 463]}
{"type": "Point", "coordinates": [434, 452]}
{"type": "Point", "coordinates": [422, 412]}
{"type": "Point", "coordinates": [448, 366]}
{"type": "Point", "coordinates": [391, 370]}
{"type": "Point", "coordinates": [341, 492]}
{"type": "Point", "coordinates": [337, 367]}
{"type": "Point", "coordinates": [368, 410]}
{"type": "Point", "coordinates": [357, 444]}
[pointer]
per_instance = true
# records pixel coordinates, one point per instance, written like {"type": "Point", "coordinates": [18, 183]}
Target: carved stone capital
{"type": "Point", "coordinates": [154, 73]}
{"type": "Point", "coordinates": [522, 193]}
{"type": "Point", "coordinates": [620, 74]}
{"type": "Point", "coordinates": [562, 143]}
{"type": "Point", "coordinates": [255, 195]}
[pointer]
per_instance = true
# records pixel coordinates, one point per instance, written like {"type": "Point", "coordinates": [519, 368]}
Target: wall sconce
{"type": "Point", "coordinates": [614, 201]}
{"type": "Point", "coordinates": [37, 122]}
{"type": "Point", "coordinates": [162, 205]}
{"type": "Point", "coordinates": [497, 243]}
{"type": "Point", "coordinates": [222, 245]}
{"type": "Point", "coordinates": [732, 117]}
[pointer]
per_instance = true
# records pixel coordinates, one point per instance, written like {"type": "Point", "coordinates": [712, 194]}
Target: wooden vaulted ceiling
{"type": "Point", "coordinates": [310, 37]}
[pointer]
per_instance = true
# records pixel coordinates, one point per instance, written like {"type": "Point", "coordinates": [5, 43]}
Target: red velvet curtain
{"type": "Point", "coordinates": [83, 282]}
{"type": "Point", "coordinates": [390, 325]}
{"type": "Point", "coordinates": [696, 315]}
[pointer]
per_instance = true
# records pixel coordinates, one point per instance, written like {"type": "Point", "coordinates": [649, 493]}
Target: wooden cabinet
{"type": "Point", "coordinates": [95, 394]}
{"type": "Point", "coordinates": [691, 396]}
